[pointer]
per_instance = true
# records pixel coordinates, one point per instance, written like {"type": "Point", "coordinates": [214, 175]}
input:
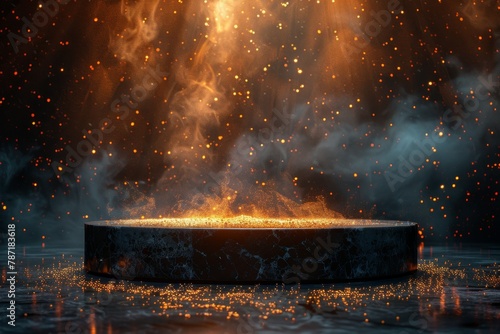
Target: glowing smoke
{"type": "Point", "coordinates": [269, 104]}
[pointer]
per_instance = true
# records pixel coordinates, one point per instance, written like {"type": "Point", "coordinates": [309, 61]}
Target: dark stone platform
{"type": "Point", "coordinates": [243, 250]}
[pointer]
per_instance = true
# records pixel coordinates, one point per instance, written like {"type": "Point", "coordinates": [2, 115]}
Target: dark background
{"type": "Point", "coordinates": [65, 77]}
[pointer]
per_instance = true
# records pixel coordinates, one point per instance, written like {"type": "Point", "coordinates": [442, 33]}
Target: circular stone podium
{"type": "Point", "coordinates": [250, 250]}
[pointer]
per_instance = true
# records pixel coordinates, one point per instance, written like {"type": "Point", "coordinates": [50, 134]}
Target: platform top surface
{"type": "Point", "coordinates": [246, 222]}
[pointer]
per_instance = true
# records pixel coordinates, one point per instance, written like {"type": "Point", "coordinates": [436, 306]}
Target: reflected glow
{"type": "Point", "coordinates": [385, 302]}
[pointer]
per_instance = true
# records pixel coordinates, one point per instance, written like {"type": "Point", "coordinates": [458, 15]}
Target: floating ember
{"type": "Point", "coordinates": [248, 249]}
{"type": "Point", "coordinates": [248, 102]}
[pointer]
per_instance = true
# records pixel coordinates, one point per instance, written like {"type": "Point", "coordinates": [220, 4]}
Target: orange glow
{"type": "Point", "coordinates": [248, 222]}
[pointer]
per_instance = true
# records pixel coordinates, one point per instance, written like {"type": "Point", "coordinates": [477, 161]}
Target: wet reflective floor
{"type": "Point", "coordinates": [456, 290]}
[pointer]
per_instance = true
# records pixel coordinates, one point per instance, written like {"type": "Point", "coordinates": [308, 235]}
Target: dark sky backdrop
{"type": "Point", "coordinates": [387, 110]}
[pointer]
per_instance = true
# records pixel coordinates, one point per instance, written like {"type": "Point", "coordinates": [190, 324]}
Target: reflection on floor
{"type": "Point", "coordinates": [457, 289]}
